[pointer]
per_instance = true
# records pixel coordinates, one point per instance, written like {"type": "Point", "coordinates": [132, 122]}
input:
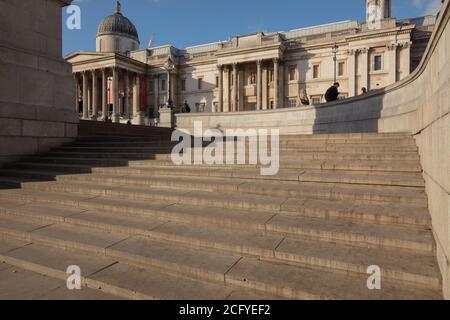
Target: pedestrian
{"type": "Point", "coordinates": [332, 93]}
{"type": "Point", "coordinates": [302, 98]}
{"type": "Point", "coordinates": [186, 107]}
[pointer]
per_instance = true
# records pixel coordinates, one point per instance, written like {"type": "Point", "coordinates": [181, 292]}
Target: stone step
{"type": "Point", "coordinates": [257, 195]}
{"type": "Point", "coordinates": [146, 160]}
{"type": "Point", "coordinates": [413, 267]}
{"type": "Point", "coordinates": [276, 224]}
{"type": "Point", "coordinates": [295, 148]}
{"type": "Point", "coordinates": [109, 279]}
{"type": "Point", "coordinates": [68, 164]}
{"type": "Point", "coordinates": [236, 185]}
{"type": "Point", "coordinates": [383, 214]}
{"type": "Point", "coordinates": [401, 156]}
{"type": "Point", "coordinates": [208, 265]}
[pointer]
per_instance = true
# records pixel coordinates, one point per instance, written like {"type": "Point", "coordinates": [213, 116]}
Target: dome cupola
{"type": "Point", "coordinates": [116, 33]}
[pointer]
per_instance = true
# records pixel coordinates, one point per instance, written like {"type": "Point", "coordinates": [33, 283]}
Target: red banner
{"type": "Point", "coordinates": [143, 91]}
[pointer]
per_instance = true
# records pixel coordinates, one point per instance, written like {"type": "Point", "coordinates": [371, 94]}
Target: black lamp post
{"type": "Point", "coordinates": [335, 50]}
{"type": "Point", "coordinates": [169, 66]}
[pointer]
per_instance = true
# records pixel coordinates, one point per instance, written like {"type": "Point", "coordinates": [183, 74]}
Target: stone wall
{"type": "Point", "coordinates": [36, 95]}
{"type": "Point", "coordinates": [419, 104]}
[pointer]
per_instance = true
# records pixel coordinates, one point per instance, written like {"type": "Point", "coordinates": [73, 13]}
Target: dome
{"type": "Point", "coordinates": [118, 24]}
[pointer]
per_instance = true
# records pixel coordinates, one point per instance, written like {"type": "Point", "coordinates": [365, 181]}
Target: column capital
{"type": "Point", "coordinates": [276, 60]}
{"type": "Point", "coordinates": [259, 62]}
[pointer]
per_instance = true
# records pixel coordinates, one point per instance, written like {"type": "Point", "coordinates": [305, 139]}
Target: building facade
{"type": "Point", "coordinates": [257, 71]}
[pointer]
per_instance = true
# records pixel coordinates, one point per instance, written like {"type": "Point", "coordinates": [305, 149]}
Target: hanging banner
{"type": "Point", "coordinates": [143, 93]}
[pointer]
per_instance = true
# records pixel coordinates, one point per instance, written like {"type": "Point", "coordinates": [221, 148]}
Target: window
{"type": "Point", "coordinates": [163, 85]}
{"type": "Point", "coordinates": [341, 69]}
{"type": "Point", "coordinates": [271, 76]}
{"type": "Point", "coordinates": [292, 103]}
{"type": "Point", "coordinates": [183, 84]}
{"type": "Point", "coordinates": [292, 72]}
{"type": "Point", "coordinates": [101, 45]}
{"type": "Point", "coordinates": [217, 81]}
{"type": "Point", "coordinates": [252, 79]}
{"type": "Point", "coordinates": [200, 83]}
{"type": "Point", "coordinates": [316, 100]}
{"type": "Point", "coordinates": [272, 104]}
{"type": "Point", "coordinates": [200, 107]}
{"type": "Point", "coordinates": [377, 63]}
{"type": "Point", "coordinates": [316, 71]}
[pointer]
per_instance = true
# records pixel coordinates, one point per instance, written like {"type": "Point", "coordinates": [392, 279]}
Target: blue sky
{"type": "Point", "coordinates": [184, 23]}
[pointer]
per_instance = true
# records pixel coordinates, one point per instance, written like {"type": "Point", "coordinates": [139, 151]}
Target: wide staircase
{"type": "Point", "coordinates": [141, 227]}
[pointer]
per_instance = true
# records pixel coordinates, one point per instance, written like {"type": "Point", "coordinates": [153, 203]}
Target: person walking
{"type": "Point", "coordinates": [332, 93]}
{"type": "Point", "coordinates": [302, 98]}
{"type": "Point", "coordinates": [186, 107]}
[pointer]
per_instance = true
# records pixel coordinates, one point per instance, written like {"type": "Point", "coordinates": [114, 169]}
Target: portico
{"type": "Point", "coordinates": [109, 89]}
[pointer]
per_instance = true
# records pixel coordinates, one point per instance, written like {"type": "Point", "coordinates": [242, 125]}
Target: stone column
{"type": "Point", "coordinates": [405, 62]}
{"type": "Point", "coordinates": [85, 97]}
{"type": "Point", "coordinates": [77, 91]}
{"type": "Point", "coordinates": [234, 97]}
{"type": "Point", "coordinates": [281, 98]}
{"type": "Point", "coordinates": [392, 54]}
{"type": "Point", "coordinates": [352, 73]}
{"type": "Point", "coordinates": [259, 85]}
{"type": "Point", "coordinates": [127, 94]}
{"type": "Point", "coordinates": [227, 91]}
{"type": "Point", "coordinates": [115, 89]}
{"type": "Point", "coordinates": [220, 104]}
{"type": "Point", "coordinates": [137, 114]}
{"type": "Point", "coordinates": [156, 94]}
{"type": "Point", "coordinates": [94, 96]}
{"type": "Point", "coordinates": [364, 68]}
{"type": "Point", "coordinates": [276, 84]}
{"type": "Point", "coordinates": [104, 97]}
{"type": "Point", "coordinates": [169, 93]}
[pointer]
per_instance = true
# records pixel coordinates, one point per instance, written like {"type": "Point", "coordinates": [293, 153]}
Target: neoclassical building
{"type": "Point", "coordinates": [256, 71]}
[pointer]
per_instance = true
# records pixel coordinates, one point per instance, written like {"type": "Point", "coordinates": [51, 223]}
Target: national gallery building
{"type": "Point", "coordinates": [256, 71]}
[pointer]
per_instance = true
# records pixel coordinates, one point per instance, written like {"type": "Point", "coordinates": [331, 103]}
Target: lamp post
{"type": "Point", "coordinates": [169, 66]}
{"type": "Point", "coordinates": [335, 50]}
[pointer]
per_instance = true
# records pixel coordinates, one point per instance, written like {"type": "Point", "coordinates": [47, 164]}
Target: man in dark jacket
{"type": "Point", "coordinates": [332, 93]}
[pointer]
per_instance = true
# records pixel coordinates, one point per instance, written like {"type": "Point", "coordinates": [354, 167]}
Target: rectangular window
{"type": "Point", "coordinates": [292, 103]}
{"type": "Point", "coordinates": [272, 104]}
{"type": "Point", "coordinates": [183, 84]}
{"type": "Point", "coordinates": [316, 100]}
{"type": "Point", "coordinates": [316, 71]}
{"type": "Point", "coordinates": [200, 107]}
{"type": "Point", "coordinates": [217, 81]}
{"type": "Point", "coordinates": [163, 85]}
{"type": "Point", "coordinates": [200, 83]}
{"type": "Point", "coordinates": [341, 69]}
{"type": "Point", "coordinates": [292, 72]}
{"type": "Point", "coordinates": [271, 76]}
{"type": "Point", "coordinates": [377, 63]}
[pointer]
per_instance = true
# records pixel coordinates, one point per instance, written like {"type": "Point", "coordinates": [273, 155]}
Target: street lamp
{"type": "Point", "coordinates": [335, 50]}
{"type": "Point", "coordinates": [169, 66]}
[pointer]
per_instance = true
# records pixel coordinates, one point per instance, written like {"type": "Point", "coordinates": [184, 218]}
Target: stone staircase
{"type": "Point", "coordinates": [140, 227]}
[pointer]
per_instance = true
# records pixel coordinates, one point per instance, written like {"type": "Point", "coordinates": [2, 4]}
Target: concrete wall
{"type": "Point", "coordinates": [36, 95]}
{"type": "Point", "coordinates": [419, 104]}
